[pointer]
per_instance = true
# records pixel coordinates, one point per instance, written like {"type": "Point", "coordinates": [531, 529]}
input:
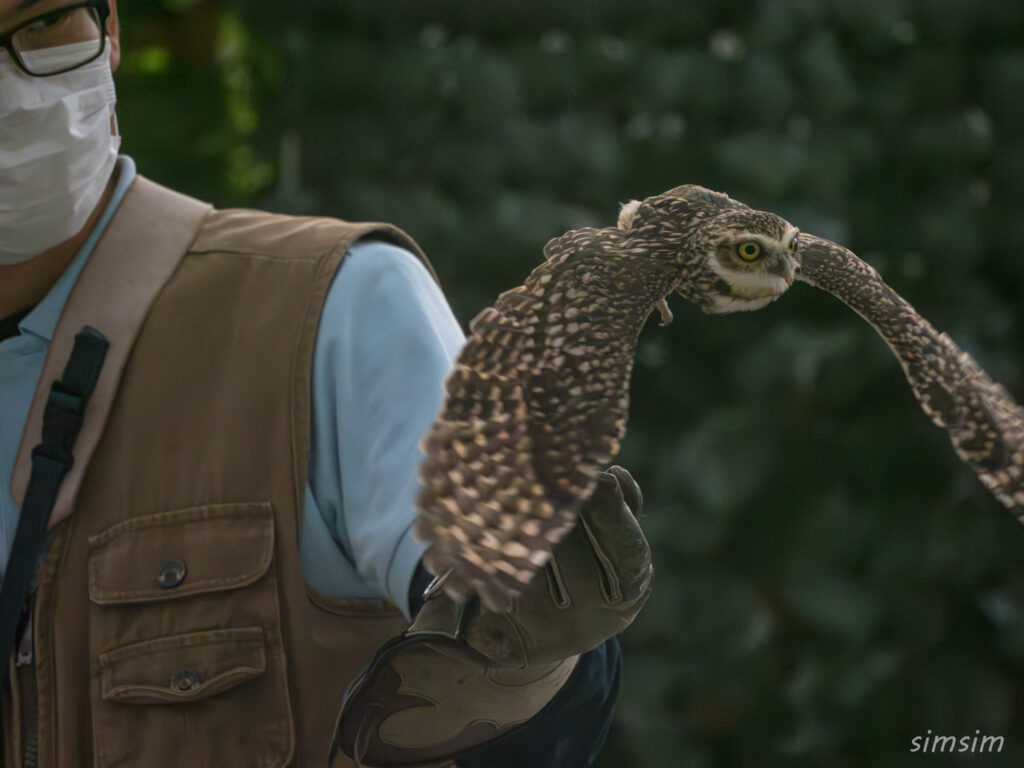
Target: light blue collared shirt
{"type": "Point", "coordinates": [386, 341]}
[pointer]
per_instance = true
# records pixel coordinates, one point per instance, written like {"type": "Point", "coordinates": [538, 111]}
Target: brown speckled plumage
{"type": "Point", "coordinates": [537, 403]}
{"type": "Point", "coordinates": [982, 419]}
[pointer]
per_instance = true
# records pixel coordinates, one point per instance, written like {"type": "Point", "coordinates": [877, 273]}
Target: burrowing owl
{"type": "Point", "coordinates": [537, 402]}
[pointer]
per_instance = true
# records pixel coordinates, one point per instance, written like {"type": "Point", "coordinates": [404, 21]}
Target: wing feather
{"type": "Point", "coordinates": [535, 407]}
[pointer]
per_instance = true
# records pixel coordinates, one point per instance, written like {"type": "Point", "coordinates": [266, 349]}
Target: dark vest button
{"type": "Point", "coordinates": [171, 573]}
{"type": "Point", "coordinates": [185, 680]}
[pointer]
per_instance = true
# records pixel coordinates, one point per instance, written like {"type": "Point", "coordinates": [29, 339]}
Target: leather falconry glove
{"type": "Point", "coordinates": [461, 676]}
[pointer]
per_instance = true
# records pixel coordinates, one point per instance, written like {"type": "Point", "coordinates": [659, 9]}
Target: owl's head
{"type": "Point", "coordinates": [732, 258]}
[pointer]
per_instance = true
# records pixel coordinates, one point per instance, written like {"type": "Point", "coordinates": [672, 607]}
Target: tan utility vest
{"type": "Point", "coordinates": [172, 626]}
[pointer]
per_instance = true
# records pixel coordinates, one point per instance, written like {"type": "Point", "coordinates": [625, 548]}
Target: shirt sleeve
{"type": "Point", "coordinates": [386, 342]}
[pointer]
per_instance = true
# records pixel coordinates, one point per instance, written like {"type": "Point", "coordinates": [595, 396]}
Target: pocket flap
{"type": "Point", "coordinates": [174, 554]}
{"type": "Point", "coordinates": [182, 668]}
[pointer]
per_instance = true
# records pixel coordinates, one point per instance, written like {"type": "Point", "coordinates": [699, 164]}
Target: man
{"type": "Point", "coordinates": [214, 416]}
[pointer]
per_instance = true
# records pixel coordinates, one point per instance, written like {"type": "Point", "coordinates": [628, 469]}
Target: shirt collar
{"type": "Point", "coordinates": [42, 320]}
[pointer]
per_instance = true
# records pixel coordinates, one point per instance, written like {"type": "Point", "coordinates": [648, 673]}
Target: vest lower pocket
{"type": "Point", "coordinates": [182, 669]}
{"type": "Point", "coordinates": [188, 664]}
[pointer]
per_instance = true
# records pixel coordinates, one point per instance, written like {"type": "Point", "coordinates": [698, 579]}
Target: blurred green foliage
{"type": "Point", "coordinates": [831, 581]}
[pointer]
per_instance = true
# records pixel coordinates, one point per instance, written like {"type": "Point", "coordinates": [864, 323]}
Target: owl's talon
{"type": "Point", "coordinates": [665, 312]}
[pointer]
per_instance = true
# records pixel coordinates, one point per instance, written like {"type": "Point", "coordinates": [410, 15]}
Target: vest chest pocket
{"type": "Point", "coordinates": [188, 664]}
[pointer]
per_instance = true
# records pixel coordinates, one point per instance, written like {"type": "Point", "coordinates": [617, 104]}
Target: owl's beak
{"type": "Point", "coordinates": [786, 269]}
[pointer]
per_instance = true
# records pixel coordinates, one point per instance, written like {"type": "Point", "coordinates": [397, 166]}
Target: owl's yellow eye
{"type": "Point", "coordinates": [792, 245]}
{"type": "Point", "coordinates": [749, 251]}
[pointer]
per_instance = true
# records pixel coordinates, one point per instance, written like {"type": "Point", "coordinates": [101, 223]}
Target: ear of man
{"type": "Point", "coordinates": [114, 36]}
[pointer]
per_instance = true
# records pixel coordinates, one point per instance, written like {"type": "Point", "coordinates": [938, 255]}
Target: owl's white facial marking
{"type": "Point", "coordinates": [749, 283]}
{"type": "Point", "coordinates": [723, 305]}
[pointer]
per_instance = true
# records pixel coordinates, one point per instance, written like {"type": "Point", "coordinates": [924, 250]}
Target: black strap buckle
{"type": "Point", "coordinates": [51, 460]}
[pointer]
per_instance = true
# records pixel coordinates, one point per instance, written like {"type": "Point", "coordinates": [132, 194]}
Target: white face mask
{"type": "Point", "coordinates": [57, 151]}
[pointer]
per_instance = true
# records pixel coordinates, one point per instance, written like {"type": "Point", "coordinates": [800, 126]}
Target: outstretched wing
{"type": "Point", "coordinates": [984, 422]}
{"type": "Point", "coordinates": [535, 406]}
{"type": "Point", "coordinates": [986, 426]}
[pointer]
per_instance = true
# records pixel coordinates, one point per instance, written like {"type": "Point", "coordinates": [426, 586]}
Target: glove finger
{"type": "Point", "coordinates": [630, 488]}
{"type": "Point", "coordinates": [617, 540]}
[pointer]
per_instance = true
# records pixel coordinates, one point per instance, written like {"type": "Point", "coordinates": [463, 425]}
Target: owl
{"type": "Point", "coordinates": [982, 419]}
{"type": "Point", "coordinates": [537, 402]}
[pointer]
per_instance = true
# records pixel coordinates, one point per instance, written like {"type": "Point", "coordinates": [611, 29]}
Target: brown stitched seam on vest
{"type": "Point", "coordinates": [302, 364]}
{"type": "Point", "coordinates": [352, 606]}
{"type": "Point", "coordinates": [256, 255]}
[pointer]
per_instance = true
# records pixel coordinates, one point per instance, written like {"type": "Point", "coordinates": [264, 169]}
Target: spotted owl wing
{"type": "Point", "coordinates": [535, 406]}
{"type": "Point", "coordinates": [984, 423]}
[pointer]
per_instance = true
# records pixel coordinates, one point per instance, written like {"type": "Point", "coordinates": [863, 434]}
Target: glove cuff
{"type": "Point", "coordinates": [426, 698]}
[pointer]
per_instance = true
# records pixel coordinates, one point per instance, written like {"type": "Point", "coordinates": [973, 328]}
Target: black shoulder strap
{"type": "Point", "coordinates": [51, 460]}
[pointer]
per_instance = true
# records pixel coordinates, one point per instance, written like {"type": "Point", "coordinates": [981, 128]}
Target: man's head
{"type": "Point", "coordinates": [46, 14]}
{"type": "Point", "coordinates": [58, 141]}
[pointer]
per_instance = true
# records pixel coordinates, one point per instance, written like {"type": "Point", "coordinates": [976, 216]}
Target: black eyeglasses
{"type": "Point", "coordinates": [60, 40]}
